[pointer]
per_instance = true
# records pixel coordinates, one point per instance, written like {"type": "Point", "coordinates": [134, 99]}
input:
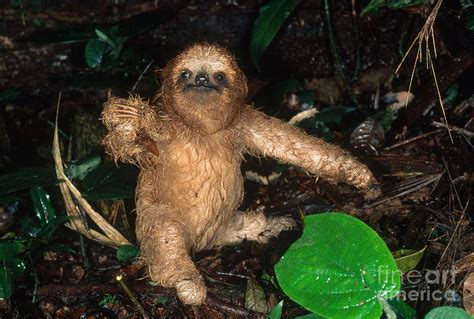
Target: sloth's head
{"type": "Point", "coordinates": [204, 87]}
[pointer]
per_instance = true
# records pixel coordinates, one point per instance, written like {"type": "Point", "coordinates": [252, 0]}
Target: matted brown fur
{"type": "Point", "coordinates": [189, 146]}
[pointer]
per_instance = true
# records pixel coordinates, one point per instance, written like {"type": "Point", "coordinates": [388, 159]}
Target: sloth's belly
{"type": "Point", "coordinates": [204, 184]}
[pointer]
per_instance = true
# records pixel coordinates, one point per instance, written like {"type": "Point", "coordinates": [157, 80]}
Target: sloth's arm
{"type": "Point", "coordinates": [263, 135]}
{"type": "Point", "coordinates": [132, 127]}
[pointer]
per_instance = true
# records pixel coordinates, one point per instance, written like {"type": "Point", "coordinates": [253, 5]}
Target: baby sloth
{"type": "Point", "coordinates": [189, 146]}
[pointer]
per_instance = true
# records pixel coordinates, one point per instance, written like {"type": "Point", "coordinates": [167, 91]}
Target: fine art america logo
{"type": "Point", "coordinates": [427, 285]}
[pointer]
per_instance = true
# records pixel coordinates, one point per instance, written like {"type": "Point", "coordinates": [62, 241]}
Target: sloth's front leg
{"type": "Point", "coordinates": [252, 226]}
{"type": "Point", "coordinates": [164, 245]}
{"type": "Point", "coordinates": [130, 123]}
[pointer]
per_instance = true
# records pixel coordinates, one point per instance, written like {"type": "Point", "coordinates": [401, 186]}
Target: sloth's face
{"type": "Point", "coordinates": [202, 80]}
{"type": "Point", "coordinates": [204, 86]}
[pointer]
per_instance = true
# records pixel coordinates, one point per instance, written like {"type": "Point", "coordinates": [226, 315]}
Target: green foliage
{"type": "Point", "coordinates": [43, 209]}
{"type": "Point", "coordinates": [104, 51]}
{"type": "Point", "coordinates": [26, 177]}
{"type": "Point", "coordinates": [276, 311]}
{"type": "Point", "coordinates": [14, 251]}
{"type": "Point", "coordinates": [332, 114]}
{"type": "Point", "coordinates": [271, 17]}
{"type": "Point", "coordinates": [6, 282]}
{"type": "Point", "coordinates": [339, 268]}
{"type": "Point", "coordinates": [127, 252]}
{"type": "Point", "coordinates": [451, 94]}
{"type": "Point", "coordinates": [272, 95]}
{"type": "Point", "coordinates": [80, 168]}
{"type": "Point", "coordinates": [109, 299]}
{"type": "Point", "coordinates": [469, 18]}
{"type": "Point", "coordinates": [317, 125]}
{"type": "Point", "coordinates": [108, 182]}
{"type": "Point", "coordinates": [385, 118]}
{"type": "Point", "coordinates": [375, 5]}
{"type": "Point", "coordinates": [447, 312]}
{"type": "Point", "coordinates": [408, 259]}
{"type": "Point", "coordinates": [401, 309]}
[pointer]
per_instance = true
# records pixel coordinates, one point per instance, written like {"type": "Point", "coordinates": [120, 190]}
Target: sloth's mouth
{"type": "Point", "coordinates": [201, 87]}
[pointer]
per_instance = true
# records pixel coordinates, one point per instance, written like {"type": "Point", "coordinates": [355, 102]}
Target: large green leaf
{"type": "Point", "coordinates": [26, 177]}
{"type": "Point", "coordinates": [42, 203]}
{"type": "Point", "coordinates": [448, 313]}
{"type": "Point", "coordinates": [269, 21]}
{"type": "Point", "coordinates": [108, 181]}
{"type": "Point", "coordinates": [339, 268]}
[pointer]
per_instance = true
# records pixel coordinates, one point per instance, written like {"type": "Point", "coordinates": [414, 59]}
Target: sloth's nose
{"type": "Point", "coordinates": [201, 78]}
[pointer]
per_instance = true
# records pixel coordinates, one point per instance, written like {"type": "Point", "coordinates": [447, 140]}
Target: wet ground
{"type": "Point", "coordinates": [426, 171]}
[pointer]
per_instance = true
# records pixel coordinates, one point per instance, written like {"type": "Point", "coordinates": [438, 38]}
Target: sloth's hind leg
{"type": "Point", "coordinates": [165, 245]}
{"type": "Point", "coordinates": [252, 226]}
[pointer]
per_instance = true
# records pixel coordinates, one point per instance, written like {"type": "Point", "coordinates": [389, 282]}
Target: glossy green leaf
{"type": "Point", "coordinates": [83, 166]}
{"type": "Point", "coordinates": [276, 311]}
{"type": "Point", "coordinates": [408, 259]}
{"type": "Point", "coordinates": [310, 316]}
{"type": "Point", "coordinates": [42, 203]}
{"type": "Point", "coordinates": [448, 313]}
{"type": "Point", "coordinates": [26, 178]}
{"type": "Point", "coordinates": [401, 309]}
{"type": "Point", "coordinates": [271, 17]}
{"type": "Point", "coordinates": [339, 268]}
{"type": "Point", "coordinates": [127, 252]}
{"type": "Point", "coordinates": [108, 182]}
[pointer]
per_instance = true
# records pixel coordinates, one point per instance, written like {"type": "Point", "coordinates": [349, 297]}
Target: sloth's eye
{"type": "Point", "coordinates": [185, 74]}
{"type": "Point", "coordinates": [219, 76]}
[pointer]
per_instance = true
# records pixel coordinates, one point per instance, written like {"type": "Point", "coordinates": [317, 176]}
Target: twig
{"type": "Point", "coordinates": [232, 310]}
{"type": "Point", "coordinates": [413, 139]}
{"type": "Point", "coordinates": [142, 75]}
{"type": "Point", "coordinates": [134, 299]}
{"type": "Point", "coordinates": [410, 186]}
{"type": "Point", "coordinates": [453, 128]}
{"type": "Point", "coordinates": [424, 37]}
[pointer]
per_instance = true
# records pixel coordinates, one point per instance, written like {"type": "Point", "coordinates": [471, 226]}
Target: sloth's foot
{"type": "Point", "coordinates": [183, 276]}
